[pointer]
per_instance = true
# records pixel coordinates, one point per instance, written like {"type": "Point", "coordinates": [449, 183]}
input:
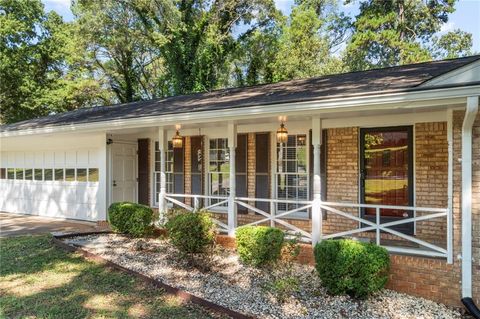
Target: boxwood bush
{"type": "Point", "coordinates": [259, 245]}
{"type": "Point", "coordinates": [131, 218]}
{"type": "Point", "coordinates": [191, 232]}
{"type": "Point", "coordinates": [352, 267]}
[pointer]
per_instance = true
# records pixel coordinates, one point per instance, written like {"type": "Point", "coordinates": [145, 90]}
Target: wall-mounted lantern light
{"type": "Point", "coordinates": [177, 140]}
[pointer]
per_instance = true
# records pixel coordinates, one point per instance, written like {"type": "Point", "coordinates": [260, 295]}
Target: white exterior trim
{"type": "Point", "coordinates": [465, 74]}
{"type": "Point", "coordinates": [398, 100]}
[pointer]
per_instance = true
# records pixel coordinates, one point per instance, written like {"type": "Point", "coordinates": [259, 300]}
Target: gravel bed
{"type": "Point", "coordinates": [229, 283]}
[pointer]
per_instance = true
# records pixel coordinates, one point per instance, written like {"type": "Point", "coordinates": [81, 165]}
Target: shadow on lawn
{"type": "Point", "coordinates": [39, 279]}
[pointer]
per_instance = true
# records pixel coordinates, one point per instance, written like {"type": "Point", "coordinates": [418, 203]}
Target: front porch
{"type": "Point", "coordinates": [322, 183]}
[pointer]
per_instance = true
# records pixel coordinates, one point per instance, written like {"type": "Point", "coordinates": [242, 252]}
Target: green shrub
{"type": "Point", "coordinates": [352, 267]}
{"type": "Point", "coordinates": [191, 232]}
{"type": "Point", "coordinates": [259, 245]}
{"type": "Point", "coordinates": [284, 287]}
{"type": "Point", "coordinates": [130, 218]}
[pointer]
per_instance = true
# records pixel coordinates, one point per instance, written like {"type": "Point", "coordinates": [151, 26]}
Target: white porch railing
{"type": "Point", "coordinates": [284, 218]}
{"type": "Point", "coordinates": [196, 205]}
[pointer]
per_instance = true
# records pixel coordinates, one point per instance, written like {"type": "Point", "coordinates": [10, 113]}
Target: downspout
{"type": "Point", "coordinates": [469, 119]}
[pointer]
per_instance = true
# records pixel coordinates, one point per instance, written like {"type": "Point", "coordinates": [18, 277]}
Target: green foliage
{"type": "Point", "coordinates": [130, 218]}
{"type": "Point", "coordinates": [259, 245]}
{"type": "Point", "coordinates": [391, 32]}
{"type": "Point", "coordinates": [41, 70]}
{"type": "Point", "coordinates": [122, 51]}
{"type": "Point", "coordinates": [283, 287]}
{"type": "Point", "coordinates": [352, 267]}
{"type": "Point", "coordinates": [456, 43]}
{"type": "Point", "coordinates": [191, 232]}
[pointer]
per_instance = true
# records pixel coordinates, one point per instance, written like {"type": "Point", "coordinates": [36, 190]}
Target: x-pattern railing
{"type": "Point", "coordinates": [277, 218]}
{"type": "Point", "coordinates": [196, 205]}
{"type": "Point", "coordinates": [364, 225]}
{"type": "Point", "coordinates": [378, 226]}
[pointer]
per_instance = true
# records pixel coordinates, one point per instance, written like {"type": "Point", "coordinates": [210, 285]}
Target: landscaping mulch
{"type": "Point", "coordinates": [222, 279]}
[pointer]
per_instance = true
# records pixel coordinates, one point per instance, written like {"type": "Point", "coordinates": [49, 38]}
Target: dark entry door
{"type": "Point", "coordinates": [387, 172]}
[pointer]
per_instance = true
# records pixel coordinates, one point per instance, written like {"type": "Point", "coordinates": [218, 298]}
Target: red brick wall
{"type": "Point", "coordinates": [342, 175]}
{"type": "Point", "coordinates": [431, 178]}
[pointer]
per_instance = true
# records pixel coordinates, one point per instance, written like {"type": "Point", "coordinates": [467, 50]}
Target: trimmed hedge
{"type": "Point", "coordinates": [259, 245]}
{"type": "Point", "coordinates": [131, 218]}
{"type": "Point", "coordinates": [191, 232]}
{"type": "Point", "coordinates": [352, 267]}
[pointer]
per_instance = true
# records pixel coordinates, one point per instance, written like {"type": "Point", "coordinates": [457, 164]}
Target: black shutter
{"type": "Point", "coordinates": [241, 169]}
{"type": "Point", "coordinates": [196, 160]}
{"type": "Point", "coordinates": [262, 169]}
{"type": "Point", "coordinates": [178, 168]}
{"type": "Point", "coordinates": [143, 171]}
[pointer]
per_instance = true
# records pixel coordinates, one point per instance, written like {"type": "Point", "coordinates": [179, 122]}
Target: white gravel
{"type": "Point", "coordinates": [242, 288]}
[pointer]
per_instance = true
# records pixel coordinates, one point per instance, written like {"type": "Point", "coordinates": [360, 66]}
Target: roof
{"type": "Point", "coordinates": [376, 81]}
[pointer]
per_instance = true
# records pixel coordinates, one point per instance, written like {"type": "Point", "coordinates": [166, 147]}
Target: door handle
{"type": "Point", "coordinates": [114, 183]}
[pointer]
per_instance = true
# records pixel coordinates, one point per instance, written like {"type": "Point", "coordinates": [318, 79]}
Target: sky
{"type": "Point", "coordinates": [466, 17]}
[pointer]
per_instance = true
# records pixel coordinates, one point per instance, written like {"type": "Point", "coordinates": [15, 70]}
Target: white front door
{"type": "Point", "coordinates": [124, 172]}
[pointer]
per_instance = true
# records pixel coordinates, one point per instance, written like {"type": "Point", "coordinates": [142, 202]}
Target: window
{"type": "Point", "coordinates": [10, 173]}
{"type": "Point", "coordinates": [59, 174]}
{"type": "Point", "coordinates": [38, 174]}
{"type": "Point", "coordinates": [29, 174]}
{"type": "Point", "coordinates": [219, 168]}
{"type": "Point", "coordinates": [70, 174]}
{"type": "Point", "coordinates": [3, 173]}
{"type": "Point", "coordinates": [19, 174]}
{"type": "Point", "coordinates": [93, 174]}
{"type": "Point", "coordinates": [168, 169]}
{"type": "Point", "coordinates": [48, 174]}
{"type": "Point", "coordinates": [386, 165]}
{"type": "Point", "coordinates": [81, 174]}
{"type": "Point", "coordinates": [292, 172]}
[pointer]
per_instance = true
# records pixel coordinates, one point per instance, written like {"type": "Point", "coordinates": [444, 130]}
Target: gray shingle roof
{"type": "Point", "coordinates": [401, 78]}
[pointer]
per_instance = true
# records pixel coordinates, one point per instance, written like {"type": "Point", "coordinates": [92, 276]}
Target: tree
{"type": "Point", "coordinates": [305, 43]}
{"type": "Point", "coordinates": [37, 70]}
{"type": "Point", "coordinates": [200, 37]}
{"type": "Point", "coordinates": [393, 32]}
{"type": "Point", "coordinates": [454, 44]}
{"type": "Point", "coordinates": [119, 49]}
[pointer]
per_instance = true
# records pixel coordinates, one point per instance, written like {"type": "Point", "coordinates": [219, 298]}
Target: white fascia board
{"type": "Point", "coordinates": [400, 100]}
{"type": "Point", "coordinates": [465, 74]}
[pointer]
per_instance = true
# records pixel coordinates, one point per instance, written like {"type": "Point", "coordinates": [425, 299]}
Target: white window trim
{"type": "Point", "coordinates": [274, 159]}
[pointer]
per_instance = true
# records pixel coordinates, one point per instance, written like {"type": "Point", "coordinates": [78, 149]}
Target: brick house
{"type": "Point", "coordinates": [389, 155]}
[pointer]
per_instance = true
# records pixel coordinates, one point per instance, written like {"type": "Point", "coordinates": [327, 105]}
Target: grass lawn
{"type": "Point", "coordinates": [39, 280]}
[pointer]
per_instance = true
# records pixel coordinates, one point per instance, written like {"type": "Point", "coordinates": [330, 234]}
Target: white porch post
{"type": "Point", "coordinates": [162, 147]}
{"type": "Point", "coordinates": [232, 207]}
{"type": "Point", "coordinates": [316, 211]}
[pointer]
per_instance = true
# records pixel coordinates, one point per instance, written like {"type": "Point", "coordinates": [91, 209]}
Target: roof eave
{"type": "Point", "coordinates": [412, 98]}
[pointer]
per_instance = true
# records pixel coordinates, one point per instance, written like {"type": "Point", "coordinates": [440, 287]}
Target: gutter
{"type": "Point", "coordinates": [469, 119]}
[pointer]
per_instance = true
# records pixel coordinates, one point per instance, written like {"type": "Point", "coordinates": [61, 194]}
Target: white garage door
{"type": "Point", "coordinates": [59, 183]}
